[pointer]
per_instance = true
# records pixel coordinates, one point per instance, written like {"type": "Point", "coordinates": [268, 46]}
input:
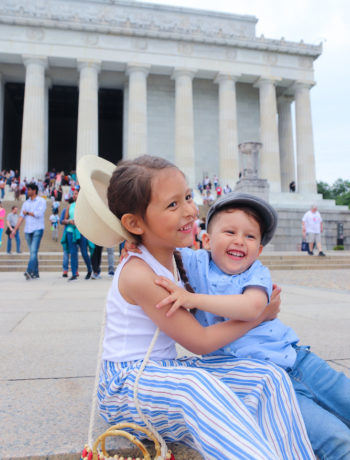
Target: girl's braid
{"type": "Point", "coordinates": [183, 274]}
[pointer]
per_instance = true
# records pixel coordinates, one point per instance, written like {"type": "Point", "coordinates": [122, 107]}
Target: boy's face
{"type": "Point", "coordinates": [234, 241]}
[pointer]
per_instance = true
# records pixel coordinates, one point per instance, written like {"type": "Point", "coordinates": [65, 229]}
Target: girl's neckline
{"type": "Point", "coordinates": [171, 272]}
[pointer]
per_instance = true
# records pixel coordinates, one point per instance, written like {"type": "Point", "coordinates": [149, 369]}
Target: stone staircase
{"type": "Point", "coordinates": [52, 261]}
{"type": "Point", "coordinates": [50, 254]}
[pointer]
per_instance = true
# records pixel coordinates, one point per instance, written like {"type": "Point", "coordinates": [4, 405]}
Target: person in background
{"type": "Point", "coordinates": [312, 227]}
{"type": "Point", "coordinates": [12, 219]}
{"type": "Point", "coordinates": [2, 221]}
{"type": "Point", "coordinates": [72, 238]}
{"type": "Point", "coordinates": [2, 186]}
{"type": "Point", "coordinates": [33, 212]}
{"type": "Point", "coordinates": [54, 219]}
{"type": "Point", "coordinates": [227, 189]}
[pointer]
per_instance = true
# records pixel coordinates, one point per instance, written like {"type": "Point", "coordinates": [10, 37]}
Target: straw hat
{"type": "Point", "coordinates": [92, 214]}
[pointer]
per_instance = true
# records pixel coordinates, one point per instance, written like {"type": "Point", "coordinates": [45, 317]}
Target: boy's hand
{"type": "Point", "coordinates": [178, 297]}
{"type": "Point", "coordinates": [128, 247]}
{"type": "Point", "coordinates": [273, 308]}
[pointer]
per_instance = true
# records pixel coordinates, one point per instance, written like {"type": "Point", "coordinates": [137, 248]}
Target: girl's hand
{"type": "Point", "coordinates": [272, 310]}
{"type": "Point", "coordinates": [178, 297]}
{"type": "Point", "coordinates": [128, 247]}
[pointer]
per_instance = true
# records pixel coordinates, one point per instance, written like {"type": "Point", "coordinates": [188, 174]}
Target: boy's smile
{"type": "Point", "coordinates": [234, 241]}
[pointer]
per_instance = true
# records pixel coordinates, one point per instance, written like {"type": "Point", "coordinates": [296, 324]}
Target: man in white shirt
{"type": "Point", "coordinates": [33, 212]}
{"type": "Point", "coordinates": [312, 227]}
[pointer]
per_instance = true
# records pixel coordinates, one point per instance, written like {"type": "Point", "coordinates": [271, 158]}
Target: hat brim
{"type": "Point", "coordinates": [92, 215]}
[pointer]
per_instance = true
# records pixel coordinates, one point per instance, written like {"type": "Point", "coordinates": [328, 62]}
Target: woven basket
{"type": "Point", "coordinates": [118, 430]}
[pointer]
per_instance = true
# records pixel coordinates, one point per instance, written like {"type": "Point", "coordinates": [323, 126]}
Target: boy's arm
{"type": "Point", "coordinates": [136, 284]}
{"type": "Point", "coordinates": [244, 307]}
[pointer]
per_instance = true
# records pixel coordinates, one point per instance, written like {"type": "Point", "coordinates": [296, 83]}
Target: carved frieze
{"type": "Point", "coordinates": [145, 20]}
{"type": "Point", "coordinates": [35, 33]}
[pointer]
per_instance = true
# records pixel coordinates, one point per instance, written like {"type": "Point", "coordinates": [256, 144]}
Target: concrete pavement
{"type": "Point", "coordinates": [49, 332]}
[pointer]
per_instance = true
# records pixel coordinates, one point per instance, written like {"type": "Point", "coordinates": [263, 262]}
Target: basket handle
{"type": "Point", "coordinates": [117, 430]}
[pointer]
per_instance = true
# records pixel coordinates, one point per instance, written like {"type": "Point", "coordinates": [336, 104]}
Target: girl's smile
{"type": "Point", "coordinates": [169, 216]}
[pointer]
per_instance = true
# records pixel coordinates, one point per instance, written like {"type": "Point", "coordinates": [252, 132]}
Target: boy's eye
{"type": "Point", "coordinates": [252, 237]}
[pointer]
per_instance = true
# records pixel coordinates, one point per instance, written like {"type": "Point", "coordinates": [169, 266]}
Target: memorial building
{"type": "Point", "coordinates": [123, 78]}
{"type": "Point", "coordinates": [120, 78]}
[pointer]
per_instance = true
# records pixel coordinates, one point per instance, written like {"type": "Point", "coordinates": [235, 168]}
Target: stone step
{"type": "Point", "coordinates": [53, 262]}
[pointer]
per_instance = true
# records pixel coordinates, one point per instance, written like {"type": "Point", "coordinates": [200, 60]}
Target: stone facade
{"type": "Point", "coordinates": [195, 84]}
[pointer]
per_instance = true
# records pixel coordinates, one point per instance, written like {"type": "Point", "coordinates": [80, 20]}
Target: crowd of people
{"type": "Point", "coordinates": [48, 186]}
{"type": "Point", "coordinates": [211, 190]}
{"type": "Point", "coordinates": [58, 190]}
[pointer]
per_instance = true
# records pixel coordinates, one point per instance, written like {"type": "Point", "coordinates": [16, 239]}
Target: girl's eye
{"type": "Point", "coordinates": [172, 205]}
{"type": "Point", "coordinates": [189, 197]}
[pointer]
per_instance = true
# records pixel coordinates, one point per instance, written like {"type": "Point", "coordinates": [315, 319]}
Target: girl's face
{"type": "Point", "coordinates": [170, 214]}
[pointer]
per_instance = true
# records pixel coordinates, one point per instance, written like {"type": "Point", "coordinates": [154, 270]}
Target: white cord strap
{"type": "Point", "coordinates": [162, 443]}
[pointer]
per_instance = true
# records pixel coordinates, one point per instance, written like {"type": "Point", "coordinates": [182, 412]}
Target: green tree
{"type": "Point", "coordinates": [325, 190]}
{"type": "Point", "coordinates": [339, 191]}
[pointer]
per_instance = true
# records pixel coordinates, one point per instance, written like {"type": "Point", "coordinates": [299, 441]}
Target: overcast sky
{"type": "Point", "coordinates": [314, 21]}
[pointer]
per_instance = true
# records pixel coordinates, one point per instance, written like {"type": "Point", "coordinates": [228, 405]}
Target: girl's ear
{"type": "Point", "coordinates": [132, 224]}
{"type": "Point", "coordinates": [206, 241]}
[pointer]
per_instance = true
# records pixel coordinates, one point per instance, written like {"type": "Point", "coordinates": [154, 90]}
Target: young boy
{"type": "Point", "coordinates": [238, 226]}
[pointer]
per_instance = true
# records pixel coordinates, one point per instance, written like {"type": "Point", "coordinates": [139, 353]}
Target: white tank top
{"type": "Point", "coordinates": [129, 330]}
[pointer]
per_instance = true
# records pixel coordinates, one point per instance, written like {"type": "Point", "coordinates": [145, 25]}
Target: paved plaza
{"type": "Point", "coordinates": [49, 339]}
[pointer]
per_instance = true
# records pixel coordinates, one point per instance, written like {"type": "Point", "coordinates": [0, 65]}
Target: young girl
{"type": "Point", "coordinates": [223, 407]}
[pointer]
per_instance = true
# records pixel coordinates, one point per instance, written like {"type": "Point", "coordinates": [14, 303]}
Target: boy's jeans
{"type": "Point", "coordinates": [33, 241]}
{"type": "Point", "coordinates": [324, 398]}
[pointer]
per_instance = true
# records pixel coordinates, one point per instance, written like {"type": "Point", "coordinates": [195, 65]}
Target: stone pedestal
{"type": "Point", "coordinates": [33, 152]}
{"type": "Point", "coordinates": [249, 182]}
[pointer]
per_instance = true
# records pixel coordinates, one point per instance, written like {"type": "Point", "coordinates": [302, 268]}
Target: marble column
{"type": "Point", "coordinates": [137, 110]}
{"type": "Point", "coordinates": [184, 129]}
{"type": "Point", "coordinates": [1, 118]}
{"type": "Point", "coordinates": [46, 122]}
{"type": "Point", "coordinates": [269, 157]}
{"type": "Point", "coordinates": [286, 143]}
{"type": "Point", "coordinates": [228, 133]}
{"type": "Point", "coordinates": [306, 178]}
{"type": "Point", "coordinates": [87, 141]}
{"type": "Point", "coordinates": [33, 151]}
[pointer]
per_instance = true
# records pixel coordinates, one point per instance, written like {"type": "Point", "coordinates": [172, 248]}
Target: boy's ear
{"type": "Point", "coordinates": [260, 249]}
{"type": "Point", "coordinates": [132, 224]}
{"type": "Point", "coordinates": [206, 241]}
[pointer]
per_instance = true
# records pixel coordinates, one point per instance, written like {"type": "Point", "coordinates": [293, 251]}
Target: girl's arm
{"type": "Point", "coordinates": [137, 286]}
{"type": "Point", "coordinates": [244, 307]}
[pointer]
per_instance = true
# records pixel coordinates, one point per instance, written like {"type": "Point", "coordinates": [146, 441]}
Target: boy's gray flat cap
{"type": "Point", "coordinates": [262, 207]}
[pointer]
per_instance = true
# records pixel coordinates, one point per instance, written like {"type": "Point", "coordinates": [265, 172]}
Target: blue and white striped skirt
{"type": "Point", "coordinates": [225, 408]}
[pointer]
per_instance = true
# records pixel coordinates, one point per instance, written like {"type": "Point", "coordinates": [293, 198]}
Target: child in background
{"type": "Point", "coordinates": [54, 219]}
{"type": "Point", "coordinates": [223, 407]}
{"type": "Point", "coordinates": [238, 227]}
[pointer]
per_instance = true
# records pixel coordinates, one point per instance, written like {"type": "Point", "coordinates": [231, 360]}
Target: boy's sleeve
{"type": "Point", "coordinates": [259, 276]}
{"type": "Point", "coordinates": [189, 259]}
